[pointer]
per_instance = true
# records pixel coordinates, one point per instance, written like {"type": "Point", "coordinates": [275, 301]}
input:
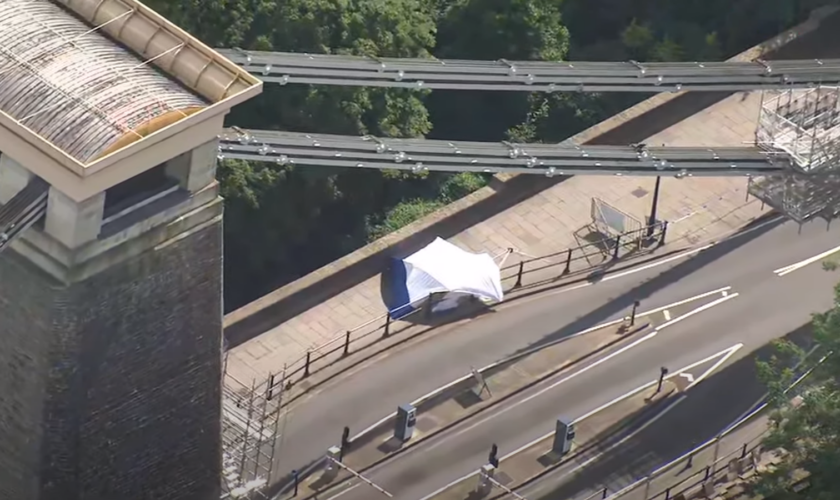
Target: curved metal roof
{"type": "Point", "coordinates": [76, 88]}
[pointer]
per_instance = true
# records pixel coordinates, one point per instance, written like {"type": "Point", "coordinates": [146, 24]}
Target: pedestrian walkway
{"type": "Point", "coordinates": [697, 208]}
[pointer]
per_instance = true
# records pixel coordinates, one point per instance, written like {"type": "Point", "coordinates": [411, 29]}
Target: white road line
{"type": "Point", "coordinates": [732, 350]}
{"type": "Point", "coordinates": [620, 442]}
{"type": "Point", "coordinates": [549, 293]}
{"type": "Point", "coordinates": [586, 368]}
{"type": "Point", "coordinates": [656, 264]}
{"type": "Point", "coordinates": [435, 392]}
{"type": "Point", "coordinates": [667, 315]}
{"type": "Point", "coordinates": [726, 353]}
{"type": "Point", "coordinates": [799, 265]}
{"type": "Point", "coordinates": [698, 310]}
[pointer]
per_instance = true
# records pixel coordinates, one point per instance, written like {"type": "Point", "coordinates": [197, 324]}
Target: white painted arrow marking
{"type": "Point", "coordinates": [799, 265]}
{"type": "Point", "coordinates": [687, 376]}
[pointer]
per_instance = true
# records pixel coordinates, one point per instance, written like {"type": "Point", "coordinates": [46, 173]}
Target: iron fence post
{"type": "Point", "coordinates": [306, 366]}
{"type": "Point", "coordinates": [387, 324]}
{"type": "Point", "coordinates": [346, 343]}
{"type": "Point", "coordinates": [617, 246]}
{"type": "Point", "coordinates": [519, 274]}
{"type": "Point", "coordinates": [663, 232]}
{"type": "Point", "coordinates": [568, 268]}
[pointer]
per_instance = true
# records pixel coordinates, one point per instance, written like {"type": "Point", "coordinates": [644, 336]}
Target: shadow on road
{"type": "Point", "coordinates": [709, 408]}
{"type": "Point", "coordinates": [625, 301]}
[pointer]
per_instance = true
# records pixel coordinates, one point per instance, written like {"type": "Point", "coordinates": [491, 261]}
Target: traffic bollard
{"type": "Point", "coordinates": [345, 443]}
{"type": "Point", "coordinates": [296, 481]}
{"type": "Point", "coordinates": [662, 372]}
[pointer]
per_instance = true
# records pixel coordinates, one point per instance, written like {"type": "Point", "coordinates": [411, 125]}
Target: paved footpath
{"type": "Point", "coordinates": [698, 209]}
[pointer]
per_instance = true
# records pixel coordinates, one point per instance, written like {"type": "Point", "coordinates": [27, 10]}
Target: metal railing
{"type": "Point", "coordinates": [607, 250]}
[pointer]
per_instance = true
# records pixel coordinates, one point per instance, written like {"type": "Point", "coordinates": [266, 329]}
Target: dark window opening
{"type": "Point", "coordinates": [137, 189]}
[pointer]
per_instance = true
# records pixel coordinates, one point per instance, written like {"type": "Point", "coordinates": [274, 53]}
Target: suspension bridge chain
{"type": "Point", "coordinates": [535, 76]}
{"type": "Point", "coordinates": [421, 155]}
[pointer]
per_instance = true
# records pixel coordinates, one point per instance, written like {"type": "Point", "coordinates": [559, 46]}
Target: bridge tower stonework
{"type": "Point", "coordinates": [111, 302]}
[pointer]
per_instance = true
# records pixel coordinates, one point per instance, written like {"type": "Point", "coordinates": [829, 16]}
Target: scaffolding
{"type": "Point", "coordinates": [804, 124]}
{"type": "Point", "coordinates": [251, 423]}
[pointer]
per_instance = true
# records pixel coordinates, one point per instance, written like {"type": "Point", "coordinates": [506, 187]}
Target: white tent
{"type": "Point", "coordinates": [442, 267]}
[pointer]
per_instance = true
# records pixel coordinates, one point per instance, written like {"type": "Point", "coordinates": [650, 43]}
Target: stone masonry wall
{"type": "Point", "coordinates": [24, 337]}
{"type": "Point", "coordinates": [127, 365]}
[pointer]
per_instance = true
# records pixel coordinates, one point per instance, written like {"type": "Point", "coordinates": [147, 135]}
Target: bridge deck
{"type": "Point", "coordinates": [698, 207]}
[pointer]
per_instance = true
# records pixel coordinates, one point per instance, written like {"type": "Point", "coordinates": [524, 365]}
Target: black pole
{"type": "Point", "coordinates": [663, 230]}
{"type": "Point", "coordinates": [662, 372]}
{"type": "Point", "coordinates": [306, 366]}
{"type": "Point", "coordinates": [568, 262]}
{"type": "Point", "coordinates": [345, 443]}
{"type": "Point", "coordinates": [296, 479]}
{"type": "Point", "coordinates": [617, 246]}
{"type": "Point", "coordinates": [633, 313]}
{"type": "Point", "coordinates": [604, 493]}
{"type": "Point", "coordinates": [519, 274]}
{"type": "Point", "coordinates": [347, 343]}
{"type": "Point", "coordinates": [493, 459]}
{"type": "Point", "coordinates": [653, 207]}
{"type": "Point", "coordinates": [387, 324]}
{"type": "Point", "coordinates": [744, 451]}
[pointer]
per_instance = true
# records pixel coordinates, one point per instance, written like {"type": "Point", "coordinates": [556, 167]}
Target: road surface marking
{"type": "Point", "coordinates": [667, 315]}
{"type": "Point", "coordinates": [549, 293]}
{"type": "Point", "coordinates": [586, 368]}
{"type": "Point", "coordinates": [615, 445]}
{"type": "Point", "coordinates": [726, 353]}
{"type": "Point", "coordinates": [657, 263]}
{"type": "Point", "coordinates": [724, 291]}
{"type": "Point", "coordinates": [799, 265]}
{"type": "Point", "coordinates": [687, 376]}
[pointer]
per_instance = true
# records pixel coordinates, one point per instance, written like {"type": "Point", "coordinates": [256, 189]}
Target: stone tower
{"type": "Point", "coordinates": [111, 302]}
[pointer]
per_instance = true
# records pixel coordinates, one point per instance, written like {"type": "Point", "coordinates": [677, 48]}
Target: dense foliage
{"type": "Point", "coordinates": [282, 222]}
{"type": "Point", "coordinates": [810, 431]}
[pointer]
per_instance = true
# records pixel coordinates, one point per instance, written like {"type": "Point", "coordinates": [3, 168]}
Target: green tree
{"type": "Point", "coordinates": [282, 222]}
{"type": "Point", "coordinates": [492, 30]}
{"type": "Point", "coordinates": [810, 432]}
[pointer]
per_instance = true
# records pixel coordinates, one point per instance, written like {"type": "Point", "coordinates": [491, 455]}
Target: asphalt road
{"type": "Point", "coordinates": [769, 306]}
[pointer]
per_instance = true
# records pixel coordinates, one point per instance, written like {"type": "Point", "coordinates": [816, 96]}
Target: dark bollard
{"type": "Point", "coordinates": [296, 481]}
{"type": "Point", "coordinates": [519, 275]}
{"type": "Point", "coordinates": [633, 313]}
{"type": "Point", "coordinates": [744, 451]}
{"type": "Point", "coordinates": [708, 472]}
{"type": "Point", "coordinates": [568, 268]}
{"type": "Point", "coordinates": [346, 343]}
{"type": "Point", "coordinates": [690, 462]}
{"type": "Point", "coordinates": [662, 372]}
{"type": "Point", "coordinates": [493, 459]}
{"type": "Point", "coordinates": [604, 493]}
{"type": "Point", "coordinates": [345, 443]}
{"type": "Point", "coordinates": [387, 325]}
{"type": "Point", "coordinates": [306, 366]}
{"type": "Point", "coordinates": [617, 247]}
{"type": "Point", "coordinates": [668, 494]}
